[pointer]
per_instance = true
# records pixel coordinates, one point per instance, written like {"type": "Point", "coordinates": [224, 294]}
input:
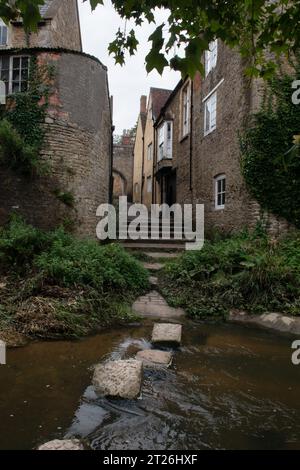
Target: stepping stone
{"type": "Point", "coordinates": [70, 444]}
{"type": "Point", "coordinates": [155, 358]}
{"type": "Point", "coordinates": [153, 266]}
{"type": "Point", "coordinates": [153, 281]}
{"type": "Point", "coordinates": [162, 255]}
{"type": "Point", "coordinates": [122, 379]}
{"type": "Point", "coordinates": [169, 333]}
{"type": "Point", "coordinates": [153, 305]}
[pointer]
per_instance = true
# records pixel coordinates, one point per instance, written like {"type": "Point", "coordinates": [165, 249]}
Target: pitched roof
{"type": "Point", "coordinates": [44, 8]}
{"type": "Point", "coordinates": [159, 97]}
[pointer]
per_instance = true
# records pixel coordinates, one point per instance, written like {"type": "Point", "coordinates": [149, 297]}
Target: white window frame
{"type": "Point", "coordinates": [165, 141]}
{"type": "Point", "coordinates": [185, 110]}
{"type": "Point", "coordinates": [149, 184]}
{"type": "Point", "coordinates": [150, 152]}
{"type": "Point", "coordinates": [3, 27]}
{"type": "Point", "coordinates": [11, 69]}
{"type": "Point", "coordinates": [211, 57]}
{"type": "Point", "coordinates": [210, 113]}
{"type": "Point", "coordinates": [220, 191]}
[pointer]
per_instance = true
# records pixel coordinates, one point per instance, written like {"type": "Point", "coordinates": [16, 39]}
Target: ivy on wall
{"type": "Point", "coordinates": [270, 158]}
{"type": "Point", "coordinates": [22, 123]}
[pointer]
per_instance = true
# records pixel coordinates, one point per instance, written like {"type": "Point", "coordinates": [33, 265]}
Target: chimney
{"type": "Point", "coordinates": [143, 104]}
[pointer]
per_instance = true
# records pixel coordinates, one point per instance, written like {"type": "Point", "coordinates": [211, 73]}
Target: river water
{"type": "Point", "coordinates": [230, 387]}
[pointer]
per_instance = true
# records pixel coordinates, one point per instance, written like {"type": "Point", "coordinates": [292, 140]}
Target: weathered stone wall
{"type": "Point", "coordinates": [123, 169]}
{"type": "Point", "coordinates": [138, 161]}
{"type": "Point", "coordinates": [60, 28]}
{"type": "Point", "coordinates": [218, 152]}
{"type": "Point", "coordinates": [77, 147]}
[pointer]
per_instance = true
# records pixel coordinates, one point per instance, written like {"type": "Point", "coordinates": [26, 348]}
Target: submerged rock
{"type": "Point", "coordinates": [67, 444]}
{"type": "Point", "coordinates": [155, 358]}
{"type": "Point", "coordinates": [167, 333]}
{"type": "Point", "coordinates": [120, 379]}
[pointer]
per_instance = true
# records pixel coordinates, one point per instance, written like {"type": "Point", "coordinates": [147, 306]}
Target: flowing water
{"type": "Point", "coordinates": [229, 388]}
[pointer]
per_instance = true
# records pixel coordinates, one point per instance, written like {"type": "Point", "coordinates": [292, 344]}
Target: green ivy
{"type": "Point", "coordinates": [22, 130]}
{"type": "Point", "coordinates": [270, 160]}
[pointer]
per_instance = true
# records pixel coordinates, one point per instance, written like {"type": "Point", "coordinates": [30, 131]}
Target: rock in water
{"type": "Point", "coordinates": [121, 379]}
{"type": "Point", "coordinates": [167, 333]}
{"type": "Point", "coordinates": [70, 444]}
{"type": "Point", "coordinates": [155, 358]}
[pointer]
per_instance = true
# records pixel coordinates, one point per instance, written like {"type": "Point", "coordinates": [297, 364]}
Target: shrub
{"type": "Point", "coordinates": [246, 272]}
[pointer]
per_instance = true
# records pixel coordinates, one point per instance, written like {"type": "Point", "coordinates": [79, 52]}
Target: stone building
{"type": "Point", "coordinates": [197, 153]}
{"type": "Point", "coordinates": [123, 166]}
{"type": "Point", "coordinates": [78, 143]}
{"type": "Point", "coordinates": [143, 182]}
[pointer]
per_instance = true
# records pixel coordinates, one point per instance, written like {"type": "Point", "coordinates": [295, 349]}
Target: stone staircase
{"type": "Point", "coordinates": [153, 236]}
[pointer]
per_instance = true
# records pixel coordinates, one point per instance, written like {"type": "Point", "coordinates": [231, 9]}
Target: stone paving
{"type": "Point", "coordinates": [71, 444]}
{"type": "Point", "coordinates": [161, 255]}
{"type": "Point", "coordinates": [153, 305]}
{"type": "Point", "coordinates": [153, 266]}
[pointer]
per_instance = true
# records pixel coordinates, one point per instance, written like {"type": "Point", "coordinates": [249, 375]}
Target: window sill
{"type": "Point", "coordinates": [209, 132]}
{"type": "Point", "coordinates": [220, 208]}
{"type": "Point", "coordinates": [183, 138]}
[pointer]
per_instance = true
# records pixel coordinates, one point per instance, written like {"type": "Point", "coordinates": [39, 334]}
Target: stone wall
{"type": "Point", "coordinates": [123, 169]}
{"type": "Point", "coordinates": [77, 147]}
{"type": "Point", "coordinates": [60, 28]}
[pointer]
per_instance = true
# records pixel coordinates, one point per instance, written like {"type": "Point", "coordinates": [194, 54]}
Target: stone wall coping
{"type": "Point", "coordinates": [60, 50]}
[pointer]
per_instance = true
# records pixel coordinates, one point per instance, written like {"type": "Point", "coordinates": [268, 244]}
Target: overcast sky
{"type": "Point", "coordinates": [129, 82]}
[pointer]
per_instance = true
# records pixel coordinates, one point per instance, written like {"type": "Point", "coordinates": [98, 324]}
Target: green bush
{"type": "Point", "coordinates": [59, 286]}
{"type": "Point", "coordinates": [244, 272]}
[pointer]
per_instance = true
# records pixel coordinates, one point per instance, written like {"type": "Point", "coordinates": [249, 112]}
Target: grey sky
{"type": "Point", "coordinates": [129, 82]}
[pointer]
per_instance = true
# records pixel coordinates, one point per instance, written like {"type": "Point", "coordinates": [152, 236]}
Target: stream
{"type": "Point", "coordinates": [230, 387]}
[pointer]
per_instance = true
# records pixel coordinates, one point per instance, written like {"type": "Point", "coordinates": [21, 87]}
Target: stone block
{"type": "Point", "coordinates": [167, 333]}
{"type": "Point", "coordinates": [70, 444]}
{"type": "Point", "coordinates": [120, 379]}
{"type": "Point", "coordinates": [153, 358]}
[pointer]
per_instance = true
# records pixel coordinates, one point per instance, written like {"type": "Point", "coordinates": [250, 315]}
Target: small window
{"type": "Point", "coordinates": [211, 57]}
{"type": "Point", "coordinates": [149, 184]}
{"type": "Point", "coordinates": [220, 192]}
{"type": "Point", "coordinates": [14, 72]}
{"type": "Point", "coordinates": [185, 111]}
{"type": "Point", "coordinates": [136, 188]}
{"type": "Point", "coordinates": [150, 152]}
{"type": "Point", "coordinates": [210, 114]}
{"type": "Point", "coordinates": [165, 140]}
{"type": "Point", "coordinates": [3, 34]}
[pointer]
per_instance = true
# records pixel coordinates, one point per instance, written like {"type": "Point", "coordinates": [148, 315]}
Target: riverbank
{"type": "Point", "coordinates": [53, 286]}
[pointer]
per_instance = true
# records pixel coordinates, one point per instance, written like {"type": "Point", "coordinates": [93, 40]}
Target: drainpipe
{"type": "Point", "coordinates": [142, 180]}
{"type": "Point", "coordinates": [191, 135]}
{"type": "Point", "coordinates": [111, 179]}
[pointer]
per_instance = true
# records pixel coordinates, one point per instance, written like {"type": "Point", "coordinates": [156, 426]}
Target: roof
{"type": "Point", "coordinates": [44, 8]}
{"type": "Point", "coordinates": [159, 98]}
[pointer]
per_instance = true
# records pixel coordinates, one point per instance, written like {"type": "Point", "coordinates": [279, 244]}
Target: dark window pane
{"type": "Point", "coordinates": [16, 62]}
{"type": "Point", "coordinates": [15, 87]}
{"type": "Point", "coordinates": [219, 199]}
{"type": "Point", "coordinates": [24, 62]}
{"type": "Point", "coordinates": [4, 36]}
{"type": "Point", "coordinates": [16, 75]}
{"type": "Point", "coordinates": [5, 75]}
{"type": "Point", "coordinates": [24, 74]}
{"type": "Point", "coordinates": [4, 63]}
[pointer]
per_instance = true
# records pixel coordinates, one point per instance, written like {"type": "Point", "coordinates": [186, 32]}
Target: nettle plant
{"type": "Point", "coordinates": [22, 130]}
{"type": "Point", "coordinates": [270, 151]}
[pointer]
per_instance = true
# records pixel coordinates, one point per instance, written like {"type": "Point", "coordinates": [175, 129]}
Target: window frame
{"type": "Point", "coordinates": [10, 82]}
{"type": "Point", "coordinates": [185, 110]}
{"type": "Point", "coordinates": [149, 186]}
{"type": "Point", "coordinates": [220, 191]}
{"type": "Point", "coordinates": [208, 109]}
{"type": "Point", "coordinates": [150, 152]}
{"type": "Point", "coordinates": [165, 141]}
{"type": "Point", "coordinates": [3, 27]}
{"type": "Point", "coordinates": [211, 57]}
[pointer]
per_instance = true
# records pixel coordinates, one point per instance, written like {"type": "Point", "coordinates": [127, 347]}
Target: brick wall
{"type": "Point", "coordinates": [77, 147]}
